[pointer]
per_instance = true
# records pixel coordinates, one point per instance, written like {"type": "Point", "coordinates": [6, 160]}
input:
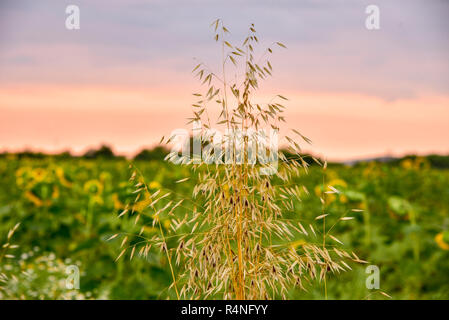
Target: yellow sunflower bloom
{"type": "Point", "coordinates": [441, 239]}
{"type": "Point", "coordinates": [154, 185]}
{"type": "Point", "coordinates": [34, 199]}
{"type": "Point", "coordinates": [93, 187]}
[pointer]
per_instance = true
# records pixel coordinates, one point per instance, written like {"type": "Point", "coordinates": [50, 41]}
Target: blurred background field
{"type": "Point", "coordinates": [68, 207]}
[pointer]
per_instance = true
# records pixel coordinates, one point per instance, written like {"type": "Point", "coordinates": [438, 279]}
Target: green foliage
{"type": "Point", "coordinates": [104, 152]}
{"type": "Point", "coordinates": [75, 222]}
{"type": "Point", "coordinates": [157, 153]}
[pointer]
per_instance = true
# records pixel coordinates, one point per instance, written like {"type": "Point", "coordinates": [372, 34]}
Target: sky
{"type": "Point", "coordinates": [124, 78]}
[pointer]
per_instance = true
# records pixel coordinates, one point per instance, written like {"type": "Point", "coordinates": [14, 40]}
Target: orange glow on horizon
{"type": "Point", "coordinates": [342, 126]}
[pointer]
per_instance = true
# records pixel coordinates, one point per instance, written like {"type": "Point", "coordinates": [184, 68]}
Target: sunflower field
{"type": "Point", "coordinates": [57, 213]}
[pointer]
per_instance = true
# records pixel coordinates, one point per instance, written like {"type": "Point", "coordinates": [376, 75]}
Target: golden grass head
{"type": "Point", "coordinates": [232, 239]}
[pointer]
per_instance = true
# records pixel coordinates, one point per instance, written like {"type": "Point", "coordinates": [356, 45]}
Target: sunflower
{"type": "Point", "coordinates": [339, 184]}
{"type": "Point", "coordinates": [24, 178]}
{"type": "Point", "coordinates": [442, 239]}
{"type": "Point", "coordinates": [39, 174]}
{"type": "Point", "coordinates": [62, 179]}
{"type": "Point", "coordinates": [407, 164]}
{"type": "Point", "coordinates": [142, 204]}
{"type": "Point", "coordinates": [33, 198]}
{"type": "Point", "coordinates": [117, 203]}
{"type": "Point", "coordinates": [154, 185]}
{"type": "Point", "coordinates": [298, 243]}
{"type": "Point", "coordinates": [55, 193]}
{"type": "Point", "coordinates": [167, 224]}
{"type": "Point", "coordinates": [93, 187]}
